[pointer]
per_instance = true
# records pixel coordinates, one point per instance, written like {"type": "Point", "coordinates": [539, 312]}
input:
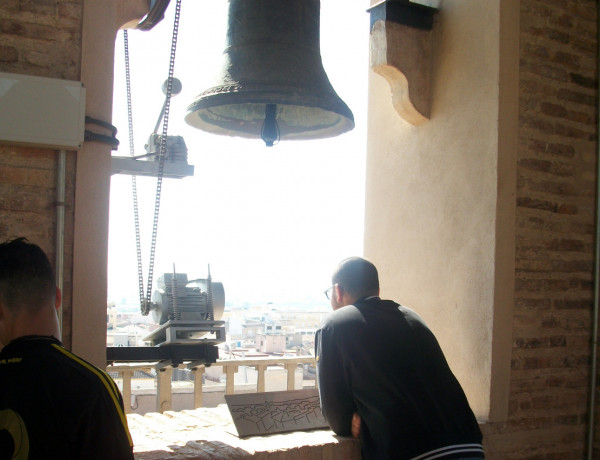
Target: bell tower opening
{"type": "Point", "coordinates": [271, 222]}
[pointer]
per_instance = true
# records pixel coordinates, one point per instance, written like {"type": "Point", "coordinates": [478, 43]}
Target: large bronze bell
{"type": "Point", "coordinates": [272, 83]}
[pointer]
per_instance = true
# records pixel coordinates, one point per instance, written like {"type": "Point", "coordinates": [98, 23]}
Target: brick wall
{"type": "Point", "coordinates": [42, 38]}
{"type": "Point", "coordinates": [555, 226]}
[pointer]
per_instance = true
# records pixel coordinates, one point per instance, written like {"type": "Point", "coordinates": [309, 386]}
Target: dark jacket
{"type": "Point", "coordinates": [379, 359]}
{"type": "Point", "coordinates": [55, 405]}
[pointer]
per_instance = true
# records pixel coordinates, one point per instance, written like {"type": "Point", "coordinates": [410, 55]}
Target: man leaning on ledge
{"type": "Point", "coordinates": [53, 404]}
{"type": "Point", "coordinates": [382, 376]}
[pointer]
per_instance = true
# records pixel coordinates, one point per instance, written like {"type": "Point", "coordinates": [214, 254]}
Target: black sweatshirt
{"type": "Point", "coordinates": [54, 405]}
{"type": "Point", "coordinates": [379, 359]}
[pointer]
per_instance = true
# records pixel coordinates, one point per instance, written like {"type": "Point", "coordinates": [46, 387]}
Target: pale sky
{"type": "Point", "coordinates": [271, 222]}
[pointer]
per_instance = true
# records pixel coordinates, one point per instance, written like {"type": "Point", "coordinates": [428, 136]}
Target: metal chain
{"type": "Point", "coordinates": [161, 157]}
{"type": "Point", "coordinates": [145, 300]}
{"type": "Point", "coordinates": [133, 178]}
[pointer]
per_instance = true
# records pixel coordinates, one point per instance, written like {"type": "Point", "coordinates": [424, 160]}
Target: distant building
{"type": "Point", "coordinates": [251, 328]}
{"type": "Point", "coordinates": [271, 343]}
{"type": "Point", "coordinates": [293, 340]}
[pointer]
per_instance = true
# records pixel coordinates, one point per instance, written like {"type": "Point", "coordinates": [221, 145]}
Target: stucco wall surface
{"type": "Point", "coordinates": [431, 198]}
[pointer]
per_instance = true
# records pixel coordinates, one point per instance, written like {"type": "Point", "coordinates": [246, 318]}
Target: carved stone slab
{"type": "Point", "coordinates": [275, 412]}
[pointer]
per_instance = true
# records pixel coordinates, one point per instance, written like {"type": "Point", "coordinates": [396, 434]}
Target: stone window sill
{"type": "Point", "coordinates": [209, 433]}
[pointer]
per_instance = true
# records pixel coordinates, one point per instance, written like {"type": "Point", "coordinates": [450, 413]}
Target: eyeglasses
{"type": "Point", "coordinates": [328, 292]}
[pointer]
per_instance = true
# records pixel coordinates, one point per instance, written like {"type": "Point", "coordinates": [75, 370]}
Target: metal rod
{"type": "Point", "coordinates": [60, 228]}
{"type": "Point", "coordinates": [160, 117]}
{"type": "Point", "coordinates": [175, 89]}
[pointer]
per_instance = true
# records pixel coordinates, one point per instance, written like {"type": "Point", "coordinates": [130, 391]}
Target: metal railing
{"type": "Point", "coordinates": [230, 367]}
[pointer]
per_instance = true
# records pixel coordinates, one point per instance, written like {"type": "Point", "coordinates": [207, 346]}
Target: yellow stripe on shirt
{"type": "Point", "coordinates": [106, 380]}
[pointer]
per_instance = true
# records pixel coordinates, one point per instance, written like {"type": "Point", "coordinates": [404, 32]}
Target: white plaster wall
{"type": "Point", "coordinates": [431, 193]}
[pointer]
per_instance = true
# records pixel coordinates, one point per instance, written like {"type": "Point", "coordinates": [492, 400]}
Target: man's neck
{"type": "Point", "coordinates": [370, 297]}
{"type": "Point", "coordinates": [44, 322]}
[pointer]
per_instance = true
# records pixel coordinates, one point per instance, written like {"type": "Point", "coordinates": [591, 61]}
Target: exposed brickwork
{"type": "Point", "coordinates": [42, 38]}
{"type": "Point", "coordinates": [28, 202]}
{"type": "Point", "coordinates": [555, 224]}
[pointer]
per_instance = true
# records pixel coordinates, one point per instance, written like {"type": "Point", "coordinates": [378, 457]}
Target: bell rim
{"type": "Point", "coordinates": [252, 129]}
{"type": "Point", "coordinates": [238, 95]}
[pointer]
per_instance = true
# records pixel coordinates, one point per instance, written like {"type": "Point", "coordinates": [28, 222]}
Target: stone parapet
{"type": "Point", "coordinates": [209, 433]}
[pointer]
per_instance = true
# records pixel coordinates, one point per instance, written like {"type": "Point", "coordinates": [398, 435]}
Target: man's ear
{"type": "Point", "coordinates": [338, 291]}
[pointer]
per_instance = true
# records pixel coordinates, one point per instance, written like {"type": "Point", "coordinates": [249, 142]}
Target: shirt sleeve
{"type": "Point", "coordinates": [335, 390]}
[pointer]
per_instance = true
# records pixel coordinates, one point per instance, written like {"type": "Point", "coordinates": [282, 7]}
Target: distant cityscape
{"type": "Point", "coordinates": [251, 330]}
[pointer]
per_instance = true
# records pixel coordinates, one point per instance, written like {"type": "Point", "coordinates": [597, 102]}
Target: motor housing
{"type": "Point", "coordinates": [176, 298]}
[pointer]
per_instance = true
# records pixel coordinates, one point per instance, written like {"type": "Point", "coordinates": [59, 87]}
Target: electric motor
{"type": "Point", "coordinates": [176, 298]}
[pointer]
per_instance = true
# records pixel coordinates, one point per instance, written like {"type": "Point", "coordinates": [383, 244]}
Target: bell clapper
{"type": "Point", "coordinates": [270, 129]}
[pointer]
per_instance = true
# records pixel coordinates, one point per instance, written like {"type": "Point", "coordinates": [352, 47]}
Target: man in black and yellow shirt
{"type": "Point", "coordinates": [53, 404]}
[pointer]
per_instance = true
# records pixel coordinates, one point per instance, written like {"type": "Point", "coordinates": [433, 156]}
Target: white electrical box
{"type": "Point", "coordinates": [41, 112]}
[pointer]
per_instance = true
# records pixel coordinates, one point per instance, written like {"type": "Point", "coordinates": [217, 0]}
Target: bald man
{"type": "Point", "coordinates": [383, 377]}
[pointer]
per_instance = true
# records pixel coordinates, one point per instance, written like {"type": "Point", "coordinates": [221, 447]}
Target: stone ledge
{"type": "Point", "coordinates": [209, 433]}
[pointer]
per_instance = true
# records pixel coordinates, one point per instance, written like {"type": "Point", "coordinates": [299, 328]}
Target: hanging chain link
{"type": "Point", "coordinates": [145, 300]}
{"type": "Point", "coordinates": [136, 214]}
{"type": "Point", "coordinates": [161, 157]}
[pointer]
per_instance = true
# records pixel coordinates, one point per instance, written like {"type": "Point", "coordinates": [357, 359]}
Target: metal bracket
{"type": "Point", "coordinates": [403, 12]}
{"type": "Point", "coordinates": [401, 41]}
{"type": "Point", "coordinates": [154, 16]}
{"type": "Point", "coordinates": [172, 354]}
{"type": "Point", "coordinates": [195, 364]}
{"type": "Point", "coordinates": [133, 167]}
{"type": "Point", "coordinates": [188, 332]}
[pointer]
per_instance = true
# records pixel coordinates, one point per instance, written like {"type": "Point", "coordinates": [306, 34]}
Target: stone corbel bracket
{"type": "Point", "coordinates": [401, 52]}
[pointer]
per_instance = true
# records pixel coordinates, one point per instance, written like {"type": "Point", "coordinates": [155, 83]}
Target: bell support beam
{"type": "Point", "coordinates": [133, 167]}
{"type": "Point", "coordinates": [173, 354]}
{"type": "Point", "coordinates": [401, 52]}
